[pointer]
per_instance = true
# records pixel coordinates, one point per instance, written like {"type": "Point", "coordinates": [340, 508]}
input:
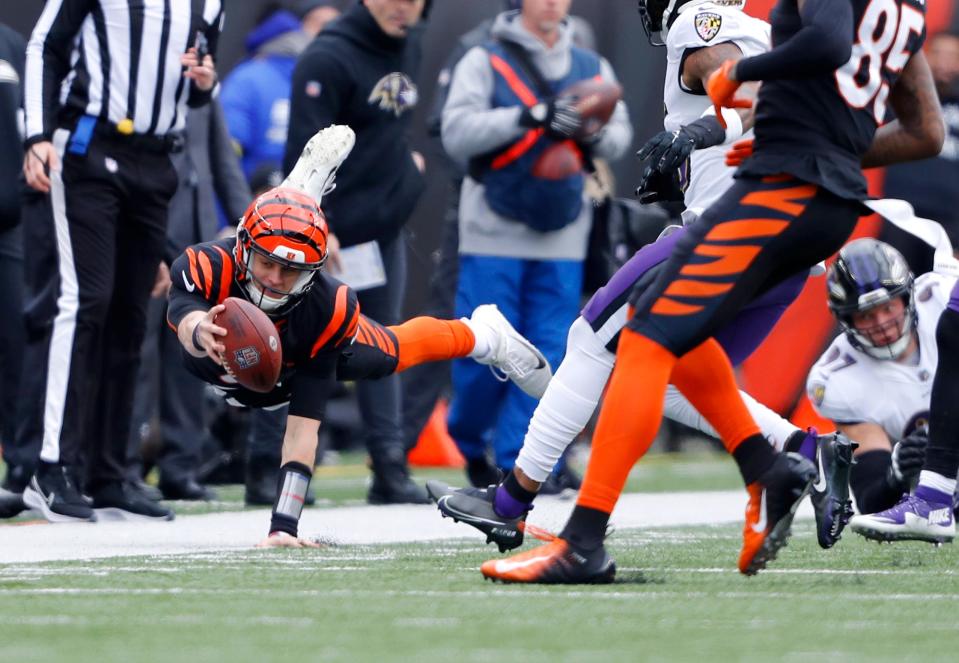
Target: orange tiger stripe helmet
{"type": "Point", "coordinates": [287, 227]}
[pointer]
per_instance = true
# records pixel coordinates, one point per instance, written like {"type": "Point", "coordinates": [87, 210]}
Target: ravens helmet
{"type": "Point", "coordinates": [658, 15]}
{"type": "Point", "coordinates": [867, 274]}
{"type": "Point", "coordinates": [287, 227]}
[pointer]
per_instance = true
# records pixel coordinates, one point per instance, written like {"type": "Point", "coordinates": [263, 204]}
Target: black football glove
{"type": "Point", "coordinates": [658, 187]}
{"type": "Point", "coordinates": [668, 149]}
{"type": "Point", "coordinates": [558, 116]}
{"type": "Point", "coordinates": [908, 455]}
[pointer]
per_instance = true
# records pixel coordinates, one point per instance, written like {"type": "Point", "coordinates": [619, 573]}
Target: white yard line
{"type": "Point", "coordinates": [347, 525]}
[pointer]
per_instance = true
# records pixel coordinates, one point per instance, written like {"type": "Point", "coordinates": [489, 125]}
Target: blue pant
{"type": "Point", "coordinates": [541, 299]}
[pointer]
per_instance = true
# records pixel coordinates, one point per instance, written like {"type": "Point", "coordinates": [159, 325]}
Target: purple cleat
{"type": "Point", "coordinates": [912, 519]}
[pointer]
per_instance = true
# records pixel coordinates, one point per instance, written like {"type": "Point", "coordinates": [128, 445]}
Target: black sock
{"type": "Point", "coordinates": [754, 456]}
{"type": "Point", "coordinates": [870, 483]}
{"type": "Point", "coordinates": [516, 491]}
{"type": "Point", "coordinates": [586, 528]}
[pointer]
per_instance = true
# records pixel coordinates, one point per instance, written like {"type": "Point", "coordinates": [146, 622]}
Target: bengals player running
{"type": "Point", "coordinates": [276, 263]}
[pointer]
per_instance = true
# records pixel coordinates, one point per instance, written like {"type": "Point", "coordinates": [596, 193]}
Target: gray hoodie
{"type": "Point", "coordinates": [471, 127]}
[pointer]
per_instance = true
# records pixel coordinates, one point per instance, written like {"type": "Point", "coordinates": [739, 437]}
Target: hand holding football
{"type": "Point", "coordinates": [253, 354]}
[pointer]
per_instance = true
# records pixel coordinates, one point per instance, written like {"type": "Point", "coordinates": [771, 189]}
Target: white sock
{"type": "Point", "coordinates": [568, 403]}
{"type": "Point", "coordinates": [937, 482]}
{"type": "Point", "coordinates": [774, 428]}
{"type": "Point", "coordinates": [483, 335]}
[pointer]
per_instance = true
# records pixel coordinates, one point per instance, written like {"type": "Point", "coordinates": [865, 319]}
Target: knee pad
{"type": "Point", "coordinates": [583, 339]}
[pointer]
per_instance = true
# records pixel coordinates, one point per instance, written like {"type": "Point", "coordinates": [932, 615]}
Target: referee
{"type": "Point", "coordinates": [107, 86]}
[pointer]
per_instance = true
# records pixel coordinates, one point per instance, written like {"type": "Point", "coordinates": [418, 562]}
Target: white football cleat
{"type": "Point", "coordinates": [515, 357]}
{"type": "Point", "coordinates": [315, 171]}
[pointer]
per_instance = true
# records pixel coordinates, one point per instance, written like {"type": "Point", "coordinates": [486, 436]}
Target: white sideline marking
{"type": "Point", "coordinates": [544, 592]}
{"type": "Point", "coordinates": [235, 531]}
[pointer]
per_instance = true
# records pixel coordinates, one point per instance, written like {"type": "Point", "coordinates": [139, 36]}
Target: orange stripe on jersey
{"type": "Point", "coordinates": [730, 260]}
{"type": "Point", "coordinates": [226, 274]}
{"type": "Point", "coordinates": [336, 321]}
{"type": "Point", "coordinates": [194, 271]}
{"type": "Point", "coordinates": [746, 228]}
{"type": "Point", "coordinates": [207, 268]}
{"type": "Point", "coordinates": [690, 288]}
{"type": "Point", "coordinates": [351, 328]}
{"type": "Point", "coordinates": [666, 306]}
{"type": "Point", "coordinates": [386, 343]}
{"type": "Point", "coordinates": [782, 200]}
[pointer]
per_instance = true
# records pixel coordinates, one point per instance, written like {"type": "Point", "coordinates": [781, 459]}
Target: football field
{"type": "Point", "coordinates": [678, 595]}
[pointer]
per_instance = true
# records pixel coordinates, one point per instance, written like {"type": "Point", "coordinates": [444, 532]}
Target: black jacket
{"type": "Point", "coordinates": [12, 55]}
{"type": "Point", "coordinates": [353, 73]}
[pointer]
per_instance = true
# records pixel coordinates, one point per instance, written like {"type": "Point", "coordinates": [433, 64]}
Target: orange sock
{"type": "Point", "coordinates": [706, 378]}
{"type": "Point", "coordinates": [424, 339]}
{"type": "Point", "coordinates": [629, 419]}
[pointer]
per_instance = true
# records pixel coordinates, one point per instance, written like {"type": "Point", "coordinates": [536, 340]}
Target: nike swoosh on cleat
{"type": "Point", "coordinates": [190, 287]}
{"type": "Point", "coordinates": [820, 484]}
{"type": "Point", "coordinates": [505, 566]}
{"type": "Point", "coordinates": [760, 526]}
{"type": "Point", "coordinates": [465, 516]}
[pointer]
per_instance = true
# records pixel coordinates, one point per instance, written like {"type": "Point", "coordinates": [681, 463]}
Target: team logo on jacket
{"type": "Point", "coordinates": [394, 93]}
{"type": "Point", "coordinates": [247, 357]}
{"type": "Point", "coordinates": [708, 24]}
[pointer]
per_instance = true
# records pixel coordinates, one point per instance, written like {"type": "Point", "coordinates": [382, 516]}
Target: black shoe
{"type": "Point", "coordinates": [773, 500]}
{"type": "Point", "coordinates": [392, 485]}
{"type": "Point", "coordinates": [120, 501]}
{"type": "Point", "coordinates": [481, 472]}
{"type": "Point", "coordinates": [149, 492]}
{"type": "Point", "coordinates": [11, 490]}
{"type": "Point", "coordinates": [186, 488]}
{"type": "Point", "coordinates": [558, 482]}
{"type": "Point", "coordinates": [556, 563]}
{"type": "Point", "coordinates": [830, 491]}
{"type": "Point", "coordinates": [474, 506]}
{"type": "Point", "coordinates": [53, 493]}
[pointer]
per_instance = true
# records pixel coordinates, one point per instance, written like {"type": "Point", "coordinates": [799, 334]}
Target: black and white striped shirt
{"type": "Point", "coordinates": [117, 60]}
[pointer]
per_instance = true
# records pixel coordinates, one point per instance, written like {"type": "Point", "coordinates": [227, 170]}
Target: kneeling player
{"type": "Point", "coordinates": [275, 262]}
{"type": "Point", "coordinates": [875, 380]}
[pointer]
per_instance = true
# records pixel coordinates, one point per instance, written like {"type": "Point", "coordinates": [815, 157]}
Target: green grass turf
{"type": "Point", "coordinates": [678, 597]}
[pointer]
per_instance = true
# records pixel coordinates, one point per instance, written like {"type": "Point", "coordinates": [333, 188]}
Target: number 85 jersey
{"type": "Point", "coordinates": [817, 128]}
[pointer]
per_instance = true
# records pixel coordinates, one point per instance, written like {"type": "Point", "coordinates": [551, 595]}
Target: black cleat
{"type": "Point", "coordinates": [556, 563]}
{"type": "Point", "coordinates": [830, 492]}
{"type": "Point", "coordinates": [773, 500]}
{"type": "Point", "coordinates": [474, 506]}
{"type": "Point", "coordinates": [53, 493]}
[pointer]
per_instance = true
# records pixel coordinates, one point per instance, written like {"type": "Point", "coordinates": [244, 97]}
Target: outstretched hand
{"type": "Point", "coordinates": [206, 333]}
{"type": "Point", "coordinates": [721, 86]}
{"type": "Point", "coordinates": [284, 540]}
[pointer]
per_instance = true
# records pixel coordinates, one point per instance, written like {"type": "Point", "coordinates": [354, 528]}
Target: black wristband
{"type": "Point", "coordinates": [196, 338]}
{"type": "Point", "coordinates": [706, 132]}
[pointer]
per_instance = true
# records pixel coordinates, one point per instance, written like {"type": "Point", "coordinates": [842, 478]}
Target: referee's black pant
{"type": "Point", "coordinates": [92, 248]}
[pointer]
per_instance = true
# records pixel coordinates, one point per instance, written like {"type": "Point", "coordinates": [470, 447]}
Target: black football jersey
{"type": "Point", "coordinates": [818, 128]}
{"type": "Point", "coordinates": [312, 334]}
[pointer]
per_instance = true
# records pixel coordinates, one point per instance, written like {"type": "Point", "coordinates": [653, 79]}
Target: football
{"type": "Point", "coordinates": [595, 99]}
{"type": "Point", "coordinates": [557, 162]}
{"type": "Point", "coordinates": [253, 353]}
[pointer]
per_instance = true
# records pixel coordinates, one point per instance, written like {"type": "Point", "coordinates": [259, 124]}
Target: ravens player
{"type": "Point", "coordinates": [833, 69]}
{"type": "Point", "coordinates": [889, 340]}
{"type": "Point", "coordinates": [276, 263]}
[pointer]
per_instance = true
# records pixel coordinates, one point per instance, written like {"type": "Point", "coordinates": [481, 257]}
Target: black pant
{"type": "Point", "coordinates": [168, 393]}
{"type": "Point", "coordinates": [11, 344]}
{"type": "Point", "coordinates": [756, 235]}
{"type": "Point", "coordinates": [94, 246]}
